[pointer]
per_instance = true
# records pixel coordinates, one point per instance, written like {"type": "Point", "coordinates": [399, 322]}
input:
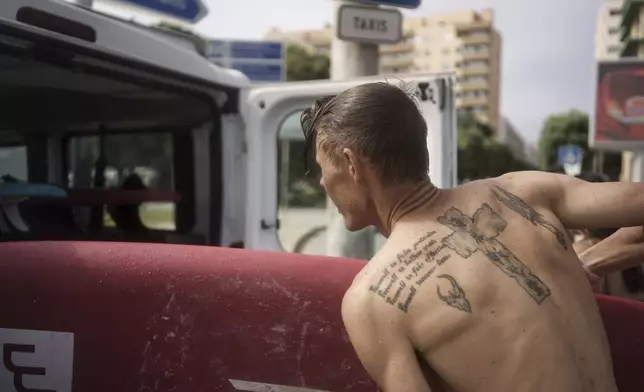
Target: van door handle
{"type": "Point", "coordinates": [268, 226]}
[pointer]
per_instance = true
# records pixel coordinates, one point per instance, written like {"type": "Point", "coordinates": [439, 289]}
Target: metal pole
{"type": "Point", "coordinates": [349, 60]}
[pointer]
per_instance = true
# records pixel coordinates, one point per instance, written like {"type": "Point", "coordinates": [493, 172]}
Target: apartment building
{"type": "Point", "coordinates": [608, 33]}
{"type": "Point", "coordinates": [509, 135]}
{"type": "Point", "coordinates": [463, 42]}
{"type": "Point", "coordinates": [632, 28]}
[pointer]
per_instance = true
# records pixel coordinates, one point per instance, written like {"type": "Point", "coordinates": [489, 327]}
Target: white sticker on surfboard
{"type": "Point", "coordinates": [36, 360]}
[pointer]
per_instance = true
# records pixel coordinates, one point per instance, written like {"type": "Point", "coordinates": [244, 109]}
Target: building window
{"type": "Point", "coordinates": [613, 30]}
{"type": "Point", "coordinates": [615, 12]}
{"type": "Point", "coordinates": [614, 49]}
{"type": "Point", "coordinates": [445, 51]}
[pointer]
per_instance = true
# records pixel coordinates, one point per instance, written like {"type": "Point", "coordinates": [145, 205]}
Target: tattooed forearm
{"type": "Point", "coordinates": [411, 268]}
{"type": "Point", "coordinates": [479, 233]}
{"type": "Point", "coordinates": [455, 296]}
{"type": "Point", "coordinates": [518, 205]}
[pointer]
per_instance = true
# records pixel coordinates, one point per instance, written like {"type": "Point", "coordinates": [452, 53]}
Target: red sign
{"type": "Point", "coordinates": [619, 105]}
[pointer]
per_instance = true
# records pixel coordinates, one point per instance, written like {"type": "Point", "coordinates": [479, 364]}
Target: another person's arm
{"type": "Point", "coordinates": [622, 250]}
{"type": "Point", "coordinates": [382, 346]}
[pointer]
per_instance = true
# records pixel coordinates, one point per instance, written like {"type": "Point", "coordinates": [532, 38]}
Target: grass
{"type": "Point", "coordinates": [158, 216]}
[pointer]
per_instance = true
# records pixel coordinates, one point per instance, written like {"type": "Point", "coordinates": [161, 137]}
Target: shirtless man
{"type": "Point", "coordinates": [478, 287]}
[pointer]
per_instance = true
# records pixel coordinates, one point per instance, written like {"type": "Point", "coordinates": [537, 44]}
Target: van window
{"type": "Point", "coordinates": [146, 156]}
{"type": "Point", "coordinates": [301, 198]}
{"type": "Point", "coordinates": [13, 162]}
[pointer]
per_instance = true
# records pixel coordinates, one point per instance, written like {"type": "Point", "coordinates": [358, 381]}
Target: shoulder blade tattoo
{"type": "Point", "coordinates": [518, 205]}
{"type": "Point", "coordinates": [479, 234]}
{"type": "Point", "coordinates": [455, 297]}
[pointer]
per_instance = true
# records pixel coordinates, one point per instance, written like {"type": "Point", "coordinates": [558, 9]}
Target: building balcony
{"type": "Point", "coordinates": [466, 103]}
{"type": "Point", "coordinates": [480, 55]}
{"type": "Point", "coordinates": [466, 28]}
{"type": "Point", "coordinates": [472, 86]}
{"type": "Point", "coordinates": [630, 9]}
{"type": "Point", "coordinates": [396, 63]}
{"type": "Point", "coordinates": [473, 71]}
{"type": "Point", "coordinates": [397, 48]}
{"type": "Point", "coordinates": [476, 39]}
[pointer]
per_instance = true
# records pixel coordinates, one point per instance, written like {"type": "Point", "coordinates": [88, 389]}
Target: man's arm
{"type": "Point", "coordinates": [382, 346]}
{"type": "Point", "coordinates": [624, 249]}
{"type": "Point", "coordinates": [587, 205]}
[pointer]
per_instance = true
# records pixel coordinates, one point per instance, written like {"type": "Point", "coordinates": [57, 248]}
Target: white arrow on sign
{"type": "Point", "coordinates": [250, 386]}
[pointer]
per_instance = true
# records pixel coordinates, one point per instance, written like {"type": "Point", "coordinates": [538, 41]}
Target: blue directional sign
{"type": "Point", "coordinates": [570, 155]}
{"type": "Point", "coordinates": [189, 10]}
{"type": "Point", "coordinates": [260, 61]}
{"type": "Point", "coordinates": [256, 50]}
{"type": "Point", "coordinates": [396, 3]}
{"type": "Point", "coordinates": [260, 72]}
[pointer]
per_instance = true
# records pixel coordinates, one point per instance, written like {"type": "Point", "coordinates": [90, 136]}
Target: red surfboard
{"type": "Point", "coordinates": [106, 317]}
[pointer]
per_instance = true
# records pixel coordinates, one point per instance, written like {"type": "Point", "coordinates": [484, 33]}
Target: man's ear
{"type": "Point", "coordinates": [354, 163]}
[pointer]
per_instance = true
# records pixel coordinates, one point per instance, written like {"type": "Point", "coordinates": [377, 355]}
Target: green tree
{"type": "Point", "coordinates": [303, 65]}
{"type": "Point", "coordinates": [480, 155]}
{"type": "Point", "coordinates": [562, 129]}
{"type": "Point", "coordinates": [572, 128]}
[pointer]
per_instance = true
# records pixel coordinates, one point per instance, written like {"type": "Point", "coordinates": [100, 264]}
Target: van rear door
{"type": "Point", "coordinates": [285, 209]}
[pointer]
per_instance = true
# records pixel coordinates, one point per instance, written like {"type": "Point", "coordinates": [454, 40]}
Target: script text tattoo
{"type": "Point", "coordinates": [401, 279]}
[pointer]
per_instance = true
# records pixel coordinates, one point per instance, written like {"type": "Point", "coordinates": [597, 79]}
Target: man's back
{"type": "Point", "coordinates": [491, 293]}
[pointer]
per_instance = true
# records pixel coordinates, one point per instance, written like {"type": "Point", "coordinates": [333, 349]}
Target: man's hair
{"type": "Point", "coordinates": [380, 121]}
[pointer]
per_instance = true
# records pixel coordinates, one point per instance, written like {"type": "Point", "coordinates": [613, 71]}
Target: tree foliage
{"type": "Point", "coordinates": [571, 128]}
{"type": "Point", "coordinates": [480, 155]}
{"type": "Point", "coordinates": [562, 129]}
{"type": "Point", "coordinates": [303, 65]}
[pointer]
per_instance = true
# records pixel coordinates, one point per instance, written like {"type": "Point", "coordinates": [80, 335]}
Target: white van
{"type": "Point", "coordinates": [88, 101]}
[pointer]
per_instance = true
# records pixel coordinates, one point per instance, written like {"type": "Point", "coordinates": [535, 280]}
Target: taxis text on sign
{"type": "Point", "coordinates": [369, 24]}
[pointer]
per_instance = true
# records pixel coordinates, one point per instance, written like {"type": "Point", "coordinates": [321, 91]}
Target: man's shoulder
{"type": "Point", "coordinates": [529, 177]}
{"type": "Point", "coordinates": [533, 185]}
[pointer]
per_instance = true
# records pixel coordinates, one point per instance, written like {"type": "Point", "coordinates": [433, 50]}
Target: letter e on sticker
{"type": "Point", "coordinates": [39, 361]}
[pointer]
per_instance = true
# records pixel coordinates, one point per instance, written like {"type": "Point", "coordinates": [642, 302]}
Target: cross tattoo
{"type": "Point", "coordinates": [479, 233]}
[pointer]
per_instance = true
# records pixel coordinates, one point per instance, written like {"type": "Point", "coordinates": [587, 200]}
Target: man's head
{"type": "Point", "coordinates": [369, 137]}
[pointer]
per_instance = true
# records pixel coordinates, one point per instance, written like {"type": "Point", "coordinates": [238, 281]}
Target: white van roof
{"type": "Point", "coordinates": [128, 40]}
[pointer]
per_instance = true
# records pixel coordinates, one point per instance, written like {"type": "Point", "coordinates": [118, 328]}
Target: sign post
{"type": "Point", "coordinates": [571, 158]}
{"type": "Point", "coordinates": [360, 27]}
{"type": "Point", "coordinates": [260, 61]}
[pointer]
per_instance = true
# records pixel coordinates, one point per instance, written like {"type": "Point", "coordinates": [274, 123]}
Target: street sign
{"type": "Point", "coordinates": [256, 50]}
{"type": "Point", "coordinates": [260, 61]}
{"type": "Point", "coordinates": [188, 10]}
{"type": "Point", "coordinates": [571, 158]}
{"type": "Point", "coordinates": [369, 24]}
{"type": "Point", "coordinates": [260, 72]}
{"type": "Point", "coordinates": [395, 3]}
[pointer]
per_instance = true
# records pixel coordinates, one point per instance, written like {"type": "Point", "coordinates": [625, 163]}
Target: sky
{"type": "Point", "coordinates": [547, 50]}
